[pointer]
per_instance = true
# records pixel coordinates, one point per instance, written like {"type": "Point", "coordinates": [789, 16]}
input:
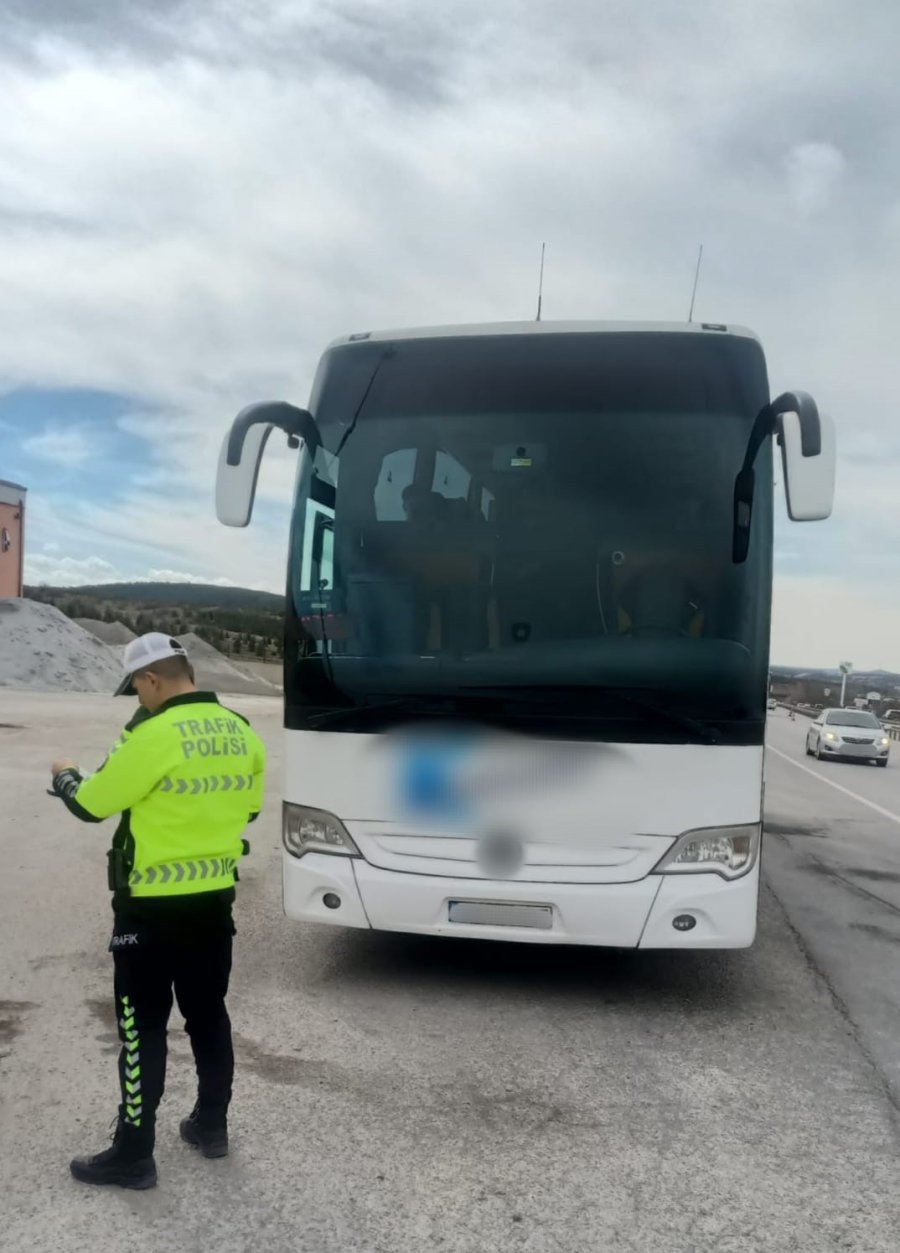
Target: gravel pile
{"type": "Point", "coordinates": [215, 672]}
{"type": "Point", "coordinates": [107, 632]}
{"type": "Point", "coordinates": [42, 649]}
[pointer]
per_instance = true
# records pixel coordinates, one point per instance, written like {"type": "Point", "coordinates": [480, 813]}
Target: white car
{"type": "Point", "coordinates": [848, 733]}
{"type": "Point", "coordinates": [770, 703]}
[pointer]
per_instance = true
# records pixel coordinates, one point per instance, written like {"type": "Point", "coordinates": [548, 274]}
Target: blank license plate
{"type": "Point", "coordinates": [498, 914]}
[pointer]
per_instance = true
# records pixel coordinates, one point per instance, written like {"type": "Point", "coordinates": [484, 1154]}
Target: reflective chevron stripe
{"type": "Point", "coordinates": [179, 871]}
{"type": "Point", "coordinates": [182, 875]}
{"type": "Point", "coordinates": [205, 784]}
{"type": "Point", "coordinates": [131, 1064]}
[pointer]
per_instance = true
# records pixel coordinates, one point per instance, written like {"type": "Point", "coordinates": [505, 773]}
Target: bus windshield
{"type": "Point", "coordinates": [535, 529]}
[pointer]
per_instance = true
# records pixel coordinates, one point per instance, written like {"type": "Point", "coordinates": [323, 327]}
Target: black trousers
{"type": "Point", "coordinates": [173, 948]}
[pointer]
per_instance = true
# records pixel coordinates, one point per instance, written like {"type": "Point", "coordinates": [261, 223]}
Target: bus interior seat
{"type": "Point", "coordinates": [441, 569]}
{"type": "Point", "coordinates": [545, 586]}
{"type": "Point", "coordinates": [662, 600]}
{"type": "Point", "coordinates": [384, 613]}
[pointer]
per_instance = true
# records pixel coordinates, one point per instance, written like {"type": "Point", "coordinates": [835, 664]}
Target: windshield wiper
{"type": "Point", "coordinates": [464, 701]}
{"type": "Point", "coordinates": [700, 730]}
{"type": "Point", "coordinates": [412, 703]}
{"type": "Point", "coordinates": [385, 356]}
{"type": "Point", "coordinates": [704, 733]}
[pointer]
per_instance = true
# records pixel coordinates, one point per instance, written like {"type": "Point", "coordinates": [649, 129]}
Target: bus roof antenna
{"type": "Point", "coordinates": [541, 284]}
{"type": "Point", "coordinates": [696, 280]}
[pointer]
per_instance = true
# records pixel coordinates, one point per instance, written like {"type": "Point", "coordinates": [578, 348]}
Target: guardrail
{"type": "Point", "coordinates": [892, 729]}
{"type": "Point", "coordinates": [801, 709]}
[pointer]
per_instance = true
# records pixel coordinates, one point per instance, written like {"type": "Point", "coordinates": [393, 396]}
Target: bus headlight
{"type": "Point", "coordinates": [314, 831]}
{"type": "Point", "coordinates": [726, 851]}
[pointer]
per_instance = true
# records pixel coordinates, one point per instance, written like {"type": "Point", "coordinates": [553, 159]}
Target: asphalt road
{"type": "Point", "coordinates": [833, 862]}
{"type": "Point", "coordinates": [402, 1094]}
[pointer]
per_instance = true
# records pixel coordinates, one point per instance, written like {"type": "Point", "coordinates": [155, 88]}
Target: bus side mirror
{"type": "Point", "coordinates": [807, 442]}
{"type": "Point", "coordinates": [808, 455]}
{"type": "Point", "coordinates": [236, 484]}
{"type": "Point", "coordinates": [242, 451]}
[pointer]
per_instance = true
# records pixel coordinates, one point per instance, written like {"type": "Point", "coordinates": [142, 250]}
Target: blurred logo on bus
{"type": "Point", "coordinates": [460, 777]}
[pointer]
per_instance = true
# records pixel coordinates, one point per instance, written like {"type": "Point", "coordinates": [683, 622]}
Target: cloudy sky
{"type": "Point", "coordinates": [196, 197]}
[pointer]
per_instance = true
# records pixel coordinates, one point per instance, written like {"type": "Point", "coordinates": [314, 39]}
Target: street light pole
{"type": "Point", "coordinates": [846, 668]}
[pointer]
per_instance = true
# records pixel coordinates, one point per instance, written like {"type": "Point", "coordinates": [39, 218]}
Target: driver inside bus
{"type": "Point", "coordinates": [661, 602]}
{"type": "Point", "coordinates": [418, 503]}
{"type": "Point", "coordinates": [429, 508]}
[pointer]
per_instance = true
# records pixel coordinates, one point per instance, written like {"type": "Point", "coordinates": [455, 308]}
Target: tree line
{"type": "Point", "coordinates": [233, 631]}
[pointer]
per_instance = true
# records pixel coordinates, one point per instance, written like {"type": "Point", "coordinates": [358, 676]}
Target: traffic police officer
{"type": "Point", "coordinates": [186, 777]}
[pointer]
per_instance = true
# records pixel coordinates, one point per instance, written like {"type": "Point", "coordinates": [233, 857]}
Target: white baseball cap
{"type": "Point", "coordinates": [143, 652]}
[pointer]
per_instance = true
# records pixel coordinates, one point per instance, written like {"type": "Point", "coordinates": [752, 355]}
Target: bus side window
{"type": "Point", "coordinates": [317, 560]}
{"type": "Point", "coordinates": [451, 479]}
{"type": "Point", "coordinates": [323, 551]}
{"type": "Point", "coordinates": [398, 469]}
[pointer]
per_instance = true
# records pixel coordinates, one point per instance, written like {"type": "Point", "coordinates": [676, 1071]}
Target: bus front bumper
{"type": "Point", "coordinates": [348, 892]}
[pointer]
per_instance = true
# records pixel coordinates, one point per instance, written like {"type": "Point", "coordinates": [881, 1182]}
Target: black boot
{"type": "Point", "coordinates": [127, 1163]}
{"type": "Point", "coordinates": [206, 1130]}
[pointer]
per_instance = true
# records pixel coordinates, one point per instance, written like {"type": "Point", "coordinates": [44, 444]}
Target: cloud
{"type": "Point", "coordinates": [179, 576]}
{"type": "Point", "coordinates": [860, 622]}
{"type": "Point", "coordinates": [232, 218]}
{"type": "Point", "coordinates": [813, 172]}
{"type": "Point", "coordinates": [196, 197]}
{"type": "Point", "coordinates": [60, 445]}
{"type": "Point", "coordinates": [67, 571]}
{"type": "Point", "coordinates": [53, 570]}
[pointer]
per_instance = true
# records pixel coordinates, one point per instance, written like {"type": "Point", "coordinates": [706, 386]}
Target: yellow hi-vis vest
{"type": "Point", "coordinates": [189, 777]}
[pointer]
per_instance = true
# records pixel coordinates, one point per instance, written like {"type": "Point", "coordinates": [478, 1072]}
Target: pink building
{"type": "Point", "coordinates": [12, 538]}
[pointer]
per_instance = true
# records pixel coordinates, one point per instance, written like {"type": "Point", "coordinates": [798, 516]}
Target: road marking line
{"type": "Point", "coordinates": [839, 787]}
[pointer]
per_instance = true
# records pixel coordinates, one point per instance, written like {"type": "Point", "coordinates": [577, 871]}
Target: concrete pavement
{"type": "Point", "coordinates": [401, 1094]}
{"type": "Point", "coordinates": [833, 861]}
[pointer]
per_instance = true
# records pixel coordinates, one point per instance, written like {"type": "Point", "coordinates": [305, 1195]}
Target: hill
{"type": "Point", "coordinates": [874, 678]}
{"type": "Point", "coordinates": [210, 594]}
{"type": "Point", "coordinates": [238, 621]}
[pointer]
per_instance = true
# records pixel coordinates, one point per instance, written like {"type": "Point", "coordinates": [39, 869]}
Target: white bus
{"type": "Point", "coordinates": [527, 628]}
